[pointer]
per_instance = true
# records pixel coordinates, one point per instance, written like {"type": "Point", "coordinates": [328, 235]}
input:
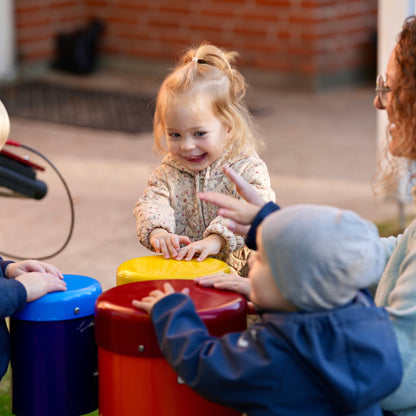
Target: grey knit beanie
{"type": "Point", "coordinates": [321, 255]}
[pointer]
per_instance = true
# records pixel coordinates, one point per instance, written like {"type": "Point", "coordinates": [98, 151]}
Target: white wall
{"type": "Point", "coordinates": [7, 41]}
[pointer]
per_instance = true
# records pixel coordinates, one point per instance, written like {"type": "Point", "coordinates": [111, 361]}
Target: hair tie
{"type": "Point", "coordinates": [199, 61]}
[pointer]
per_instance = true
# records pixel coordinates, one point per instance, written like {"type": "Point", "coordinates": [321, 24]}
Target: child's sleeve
{"type": "Point", "coordinates": [225, 370]}
{"type": "Point", "coordinates": [153, 209]}
{"type": "Point", "coordinates": [266, 210]}
{"type": "Point", "coordinates": [3, 265]}
{"type": "Point", "coordinates": [12, 296]}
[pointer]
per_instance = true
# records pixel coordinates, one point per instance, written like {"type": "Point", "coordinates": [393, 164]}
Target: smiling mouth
{"type": "Point", "coordinates": [195, 159]}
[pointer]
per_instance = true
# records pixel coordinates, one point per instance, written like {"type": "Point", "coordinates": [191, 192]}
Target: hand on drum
{"type": "Point", "coordinates": [146, 304]}
{"type": "Point", "coordinates": [14, 270]}
{"type": "Point", "coordinates": [226, 281]}
{"type": "Point", "coordinates": [201, 249]}
{"type": "Point", "coordinates": [39, 284]}
{"type": "Point", "coordinates": [167, 243]}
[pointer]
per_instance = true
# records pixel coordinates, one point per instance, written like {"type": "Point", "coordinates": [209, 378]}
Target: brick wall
{"type": "Point", "coordinates": [37, 22]}
{"type": "Point", "coordinates": [309, 38]}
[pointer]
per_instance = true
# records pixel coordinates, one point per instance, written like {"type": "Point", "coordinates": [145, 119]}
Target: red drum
{"type": "Point", "coordinates": [134, 377]}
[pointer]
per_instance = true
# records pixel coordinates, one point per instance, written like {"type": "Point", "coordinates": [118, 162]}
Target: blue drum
{"type": "Point", "coordinates": [54, 354]}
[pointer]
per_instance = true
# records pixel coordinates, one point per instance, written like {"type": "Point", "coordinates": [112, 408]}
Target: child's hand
{"type": "Point", "coordinates": [166, 243]}
{"type": "Point", "coordinates": [208, 246]}
{"type": "Point", "coordinates": [39, 284]}
{"type": "Point", "coordinates": [147, 303]}
{"type": "Point", "coordinates": [14, 270]}
{"type": "Point", "coordinates": [226, 281]}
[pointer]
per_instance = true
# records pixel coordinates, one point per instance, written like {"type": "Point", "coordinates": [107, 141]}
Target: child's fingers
{"type": "Point", "coordinates": [156, 293]}
{"type": "Point", "coordinates": [191, 253]}
{"type": "Point", "coordinates": [137, 303]}
{"type": "Point", "coordinates": [170, 244]}
{"type": "Point", "coordinates": [51, 269]}
{"type": "Point", "coordinates": [184, 240]}
{"type": "Point", "coordinates": [147, 307]}
{"type": "Point", "coordinates": [235, 286]}
{"type": "Point", "coordinates": [164, 249]}
{"type": "Point", "coordinates": [184, 252]}
{"type": "Point", "coordinates": [155, 244]}
{"type": "Point", "coordinates": [208, 281]}
{"type": "Point", "coordinates": [168, 288]}
{"type": "Point", "coordinates": [175, 244]}
{"type": "Point", "coordinates": [204, 254]}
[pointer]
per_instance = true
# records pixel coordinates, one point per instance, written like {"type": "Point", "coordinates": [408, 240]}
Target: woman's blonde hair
{"type": "Point", "coordinates": [207, 72]}
{"type": "Point", "coordinates": [4, 125]}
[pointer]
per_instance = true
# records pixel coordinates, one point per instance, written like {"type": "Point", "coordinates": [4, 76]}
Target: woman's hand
{"type": "Point", "coordinates": [240, 213]}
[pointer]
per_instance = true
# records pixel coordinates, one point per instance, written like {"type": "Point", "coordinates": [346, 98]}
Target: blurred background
{"type": "Point", "coordinates": [306, 44]}
{"type": "Point", "coordinates": [79, 77]}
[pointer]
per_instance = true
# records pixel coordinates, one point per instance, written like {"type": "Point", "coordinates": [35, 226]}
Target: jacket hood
{"type": "Point", "coordinates": [358, 363]}
{"type": "Point", "coordinates": [321, 255]}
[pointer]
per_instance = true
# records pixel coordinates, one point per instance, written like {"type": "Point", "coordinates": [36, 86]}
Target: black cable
{"type": "Point", "coordinates": [71, 204]}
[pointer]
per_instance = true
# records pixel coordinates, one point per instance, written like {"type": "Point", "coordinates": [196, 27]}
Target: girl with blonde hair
{"type": "Point", "coordinates": [201, 123]}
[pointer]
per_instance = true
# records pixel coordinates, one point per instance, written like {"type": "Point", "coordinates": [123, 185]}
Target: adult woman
{"type": "Point", "coordinates": [396, 291]}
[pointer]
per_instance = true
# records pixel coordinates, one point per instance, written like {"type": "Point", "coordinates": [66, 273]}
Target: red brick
{"type": "Point", "coordinates": [221, 13]}
{"type": "Point", "coordinates": [329, 29]}
{"type": "Point", "coordinates": [130, 5]}
{"type": "Point", "coordinates": [121, 20]}
{"type": "Point", "coordinates": [246, 31]}
{"type": "Point", "coordinates": [261, 17]}
{"type": "Point", "coordinates": [229, 1]}
{"type": "Point", "coordinates": [276, 3]}
{"type": "Point", "coordinates": [174, 9]}
{"type": "Point", "coordinates": [96, 3]}
{"type": "Point", "coordinates": [158, 25]}
{"type": "Point", "coordinates": [65, 4]}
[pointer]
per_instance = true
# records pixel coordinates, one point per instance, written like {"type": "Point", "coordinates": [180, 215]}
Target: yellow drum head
{"type": "Point", "coordinates": [157, 267]}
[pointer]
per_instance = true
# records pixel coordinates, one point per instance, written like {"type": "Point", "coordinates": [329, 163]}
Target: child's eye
{"type": "Point", "coordinates": [173, 135]}
{"type": "Point", "coordinates": [200, 133]}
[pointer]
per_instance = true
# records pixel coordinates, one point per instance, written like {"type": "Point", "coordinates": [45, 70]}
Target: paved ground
{"type": "Point", "coordinates": [320, 148]}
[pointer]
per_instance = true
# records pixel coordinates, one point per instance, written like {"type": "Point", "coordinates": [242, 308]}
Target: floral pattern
{"type": "Point", "coordinates": [170, 202]}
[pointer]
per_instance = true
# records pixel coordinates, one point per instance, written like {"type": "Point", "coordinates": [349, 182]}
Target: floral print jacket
{"type": "Point", "coordinates": [171, 202]}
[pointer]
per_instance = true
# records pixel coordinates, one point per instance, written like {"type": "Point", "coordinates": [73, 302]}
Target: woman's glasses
{"type": "Point", "coordinates": [382, 91]}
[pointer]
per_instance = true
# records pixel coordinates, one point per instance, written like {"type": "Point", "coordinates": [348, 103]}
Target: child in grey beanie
{"type": "Point", "coordinates": [322, 348]}
{"type": "Point", "coordinates": [320, 256]}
